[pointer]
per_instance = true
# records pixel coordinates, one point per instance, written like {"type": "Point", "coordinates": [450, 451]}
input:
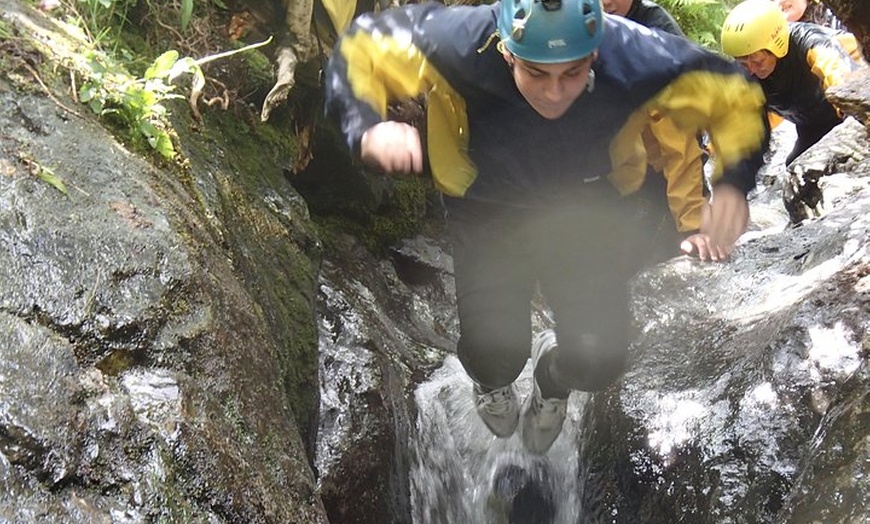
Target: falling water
{"type": "Point", "coordinates": [462, 473]}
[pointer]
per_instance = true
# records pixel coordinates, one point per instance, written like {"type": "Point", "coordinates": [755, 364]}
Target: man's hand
{"type": "Point", "coordinates": [722, 223]}
{"type": "Point", "coordinates": [392, 147]}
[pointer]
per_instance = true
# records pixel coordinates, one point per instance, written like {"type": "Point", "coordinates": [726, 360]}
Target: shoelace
{"type": "Point", "coordinates": [497, 402]}
{"type": "Point", "coordinates": [549, 406]}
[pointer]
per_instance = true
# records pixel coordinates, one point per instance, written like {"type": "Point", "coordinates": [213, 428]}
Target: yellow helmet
{"type": "Point", "coordinates": [754, 25]}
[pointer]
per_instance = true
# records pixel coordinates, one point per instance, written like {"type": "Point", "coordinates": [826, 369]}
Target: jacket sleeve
{"type": "Point", "coordinates": [378, 60]}
{"type": "Point", "coordinates": [678, 156]}
{"type": "Point", "coordinates": [394, 56]}
{"type": "Point", "coordinates": [829, 60]}
{"type": "Point", "coordinates": [697, 90]}
{"type": "Point", "coordinates": [731, 108]}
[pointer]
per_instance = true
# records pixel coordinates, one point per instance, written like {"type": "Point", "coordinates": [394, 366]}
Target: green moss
{"type": "Point", "coordinates": [173, 505]}
{"type": "Point", "coordinates": [400, 213]}
{"type": "Point", "coordinates": [5, 30]}
{"type": "Point", "coordinates": [344, 198]}
{"type": "Point", "coordinates": [280, 139]}
{"type": "Point", "coordinates": [259, 67]}
{"type": "Point", "coordinates": [233, 415]}
{"type": "Point", "coordinates": [403, 214]}
{"type": "Point", "coordinates": [119, 361]}
{"type": "Point", "coordinates": [273, 246]}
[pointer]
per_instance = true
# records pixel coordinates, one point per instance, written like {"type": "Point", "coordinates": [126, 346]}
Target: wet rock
{"type": "Point", "coordinates": [834, 467]}
{"type": "Point", "coordinates": [802, 188]}
{"type": "Point", "coordinates": [157, 338]}
{"type": "Point", "coordinates": [739, 370]}
{"type": "Point", "coordinates": [380, 333]}
{"type": "Point", "coordinates": [853, 96]}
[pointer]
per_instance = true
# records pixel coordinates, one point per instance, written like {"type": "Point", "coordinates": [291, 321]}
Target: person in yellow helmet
{"type": "Point", "coordinates": [795, 64]}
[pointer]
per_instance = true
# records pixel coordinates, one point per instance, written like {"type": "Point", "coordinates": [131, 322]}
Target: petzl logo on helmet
{"type": "Point", "coordinates": [559, 42]}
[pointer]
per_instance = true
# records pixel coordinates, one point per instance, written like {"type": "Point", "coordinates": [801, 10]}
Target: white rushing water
{"type": "Point", "coordinates": [461, 473]}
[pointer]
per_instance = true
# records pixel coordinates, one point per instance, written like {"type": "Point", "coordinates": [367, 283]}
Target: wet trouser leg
{"type": "Point", "coordinates": [574, 253]}
{"type": "Point", "coordinates": [585, 284]}
{"type": "Point", "coordinates": [494, 286]}
{"type": "Point", "coordinates": [807, 135]}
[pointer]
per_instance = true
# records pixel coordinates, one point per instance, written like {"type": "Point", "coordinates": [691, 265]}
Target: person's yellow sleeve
{"type": "Point", "coordinates": [828, 64]}
{"type": "Point", "coordinates": [678, 156]}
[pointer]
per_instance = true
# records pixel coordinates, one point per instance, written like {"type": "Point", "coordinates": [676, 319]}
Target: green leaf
{"type": "Point", "coordinates": [186, 12]}
{"type": "Point", "coordinates": [149, 130]}
{"type": "Point", "coordinates": [164, 145]}
{"type": "Point", "coordinates": [96, 106]}
{"type": "Point", "coordinates": [86, 93]}
{"type": "Point", "coordinates": [95, 65]}
{"type": "Point", "coordinates": [162, 65]}
{"type": "Point", "coordinates": [47, 175]}
{"type": "Point", "coordinates": [145, 98]}
{"type": "Point", "coordinates": [185, 65]}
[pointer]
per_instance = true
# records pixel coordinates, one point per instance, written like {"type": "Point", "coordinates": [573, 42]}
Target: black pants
{"type": "Point", "coordinates": [573, 253]}
{"type": "Point", "coordinates": [807, 135]}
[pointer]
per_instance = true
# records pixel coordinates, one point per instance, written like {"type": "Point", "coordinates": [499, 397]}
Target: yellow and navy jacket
{"type": "Point", "coordinates": [486, 142]}
{"type": "Point", "coordinates": [815, 61]}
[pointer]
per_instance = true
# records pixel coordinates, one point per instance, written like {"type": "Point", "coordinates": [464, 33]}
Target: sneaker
{"type": "Point", "coordinates": [498, 409]}
{"type": "Point", "coordinates": [542, 417]}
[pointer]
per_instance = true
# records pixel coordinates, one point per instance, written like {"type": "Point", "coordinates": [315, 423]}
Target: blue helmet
{"type": "Point", "coordinates": [550, 31]}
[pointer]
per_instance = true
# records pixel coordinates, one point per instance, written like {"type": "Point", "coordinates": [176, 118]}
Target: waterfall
{"type": "Point", "coordinates": [461, 473]}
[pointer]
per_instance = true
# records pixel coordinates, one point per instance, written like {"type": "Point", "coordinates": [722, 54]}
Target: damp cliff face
{"type": "Point", "coordinates": [157, 333]}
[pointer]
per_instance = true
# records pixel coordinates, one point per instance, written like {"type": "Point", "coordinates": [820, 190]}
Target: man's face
{"type": "Point", "coordinates": [793, 9]}
{"type": "Point", "coordinates": [617, 7]}
{"type": "Point", "coordinates": [759, 64]}
{"type": "Point", "coordinates": [550, 88]}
